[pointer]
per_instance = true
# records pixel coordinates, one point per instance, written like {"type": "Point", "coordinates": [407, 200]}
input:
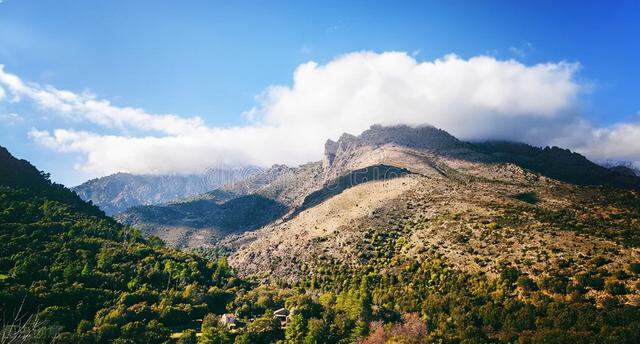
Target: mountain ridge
{"type": "Point", "coordinates": [426, 151]}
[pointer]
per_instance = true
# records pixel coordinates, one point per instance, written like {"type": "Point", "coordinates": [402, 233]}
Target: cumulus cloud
{"type": "Point", "coordinates": [477, 98]}
{"type": "Point", "coordinates": [192, 153]}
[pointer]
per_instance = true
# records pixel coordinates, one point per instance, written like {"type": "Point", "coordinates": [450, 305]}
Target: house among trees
{"type": "Point", "coordinates": [282, 314]}
{"type": "Point", "coordinates": [228, 320]}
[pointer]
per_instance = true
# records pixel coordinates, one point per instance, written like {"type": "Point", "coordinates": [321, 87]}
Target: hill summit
{"type": "Point", "coordinates": [422, 137]}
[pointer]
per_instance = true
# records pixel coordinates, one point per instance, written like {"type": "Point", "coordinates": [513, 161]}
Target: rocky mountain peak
{"type": "Point", "coordinates": [424, 137]}
{"type": "Point", "coordinates": [332, 148]}
{"type": "Point", "coordinates": [421, 137]}
{"type": "Point", "coordinates": [119, 191]}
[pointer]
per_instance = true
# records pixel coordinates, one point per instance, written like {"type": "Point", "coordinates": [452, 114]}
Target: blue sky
{"type": "Point", "coordinates": [212, 59]}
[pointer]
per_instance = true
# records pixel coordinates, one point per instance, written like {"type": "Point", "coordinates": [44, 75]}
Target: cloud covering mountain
{"type": "Point", "coordinates": [477, 98]}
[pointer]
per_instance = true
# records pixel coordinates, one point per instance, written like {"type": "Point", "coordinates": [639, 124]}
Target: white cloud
{"type": "Point", "coordinates": [467, 97]}
{"type": "Point", "coordinates": [620, 141]}
{"type": "Point", "coordinates": [481, 97]}
{"type": "Point", "coordinates": [85, 106]}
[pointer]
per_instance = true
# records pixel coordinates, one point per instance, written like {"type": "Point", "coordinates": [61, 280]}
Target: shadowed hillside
{"type": "Point", "coordinates": [336, 186]}
{"type": "Point", "coordinates": [177, 222]}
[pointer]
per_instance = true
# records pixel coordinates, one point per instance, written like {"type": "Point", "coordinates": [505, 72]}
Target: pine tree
{"type": "Point", "coordinates": [86, 269]}
{"type": "Point", "coordinates": [222, 270]}
{"type": "Point", "coordinates": [364, 300]}
{"type": "Point", "coordinates": [315, 332]}
{"type": "Point", "coordinates": [363, 310]}
{"type": "Point", "coordinates": [295, 331]}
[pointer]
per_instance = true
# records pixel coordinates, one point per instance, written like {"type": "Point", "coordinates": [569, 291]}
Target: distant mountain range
{"type": "Point", "coordinates": [280, 192]}
{"type": "Point", "coordinates": [121, 191]}
{"type": "Point", "coordinates": [245, 205]}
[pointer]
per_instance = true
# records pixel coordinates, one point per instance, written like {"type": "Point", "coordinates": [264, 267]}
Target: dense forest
{"type": "Point", "coordinates": [70, 274]}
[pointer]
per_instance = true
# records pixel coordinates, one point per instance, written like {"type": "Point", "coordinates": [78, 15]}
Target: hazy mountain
{"type": "Point", "coordinates": [120, 191]}
{"type": "Point", "coordinates": [197, 223]}
{"type": "Point", "coordinates": [244, 205]}
{"type": "Point", "coordinates": [622, 167]}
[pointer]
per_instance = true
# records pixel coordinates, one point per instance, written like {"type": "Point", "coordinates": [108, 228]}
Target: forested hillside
{"type": "Point", "coordinates": [69, 272]}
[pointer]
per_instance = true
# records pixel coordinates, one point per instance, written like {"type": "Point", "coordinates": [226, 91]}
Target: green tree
{"type": "Point", "coordinates": [86, 269]}
{"type": "Point", "coordinates": [222, 270]}
{"type": "Point", "coordinates": [316, 332]}
{"type": "Point", "coordinates": [296, 326]}
{"type": "Point", "coordinates": [188, 337]}
{"type": "Point", "coordinates": [212, 333]}
{"type": "Point", "coordinates": [244, 338]}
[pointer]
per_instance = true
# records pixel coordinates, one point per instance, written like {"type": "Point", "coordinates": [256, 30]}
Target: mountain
{"type": "Point", "coordinates": [625, 170]}
{"type": "Point", "coordinates": [120, 191]}
{"type": "Point", "coordinates": [511, 242]}
{"type": "Point", "coordinates": [450, 198]}
{"type": "Point", "coordinates": [557, 163]}
{"type": "Point", "coordinates": [378, 153]}
{"type": "Point", "coordinates": [21, 175]}
{"type": "Point", "coordinates": [196, 223]}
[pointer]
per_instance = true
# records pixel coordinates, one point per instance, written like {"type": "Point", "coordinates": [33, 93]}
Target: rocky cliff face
{"type": "Point", "coordinates": [475, 204]}
{"type": "Point", "coordinates": [423, 137]}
